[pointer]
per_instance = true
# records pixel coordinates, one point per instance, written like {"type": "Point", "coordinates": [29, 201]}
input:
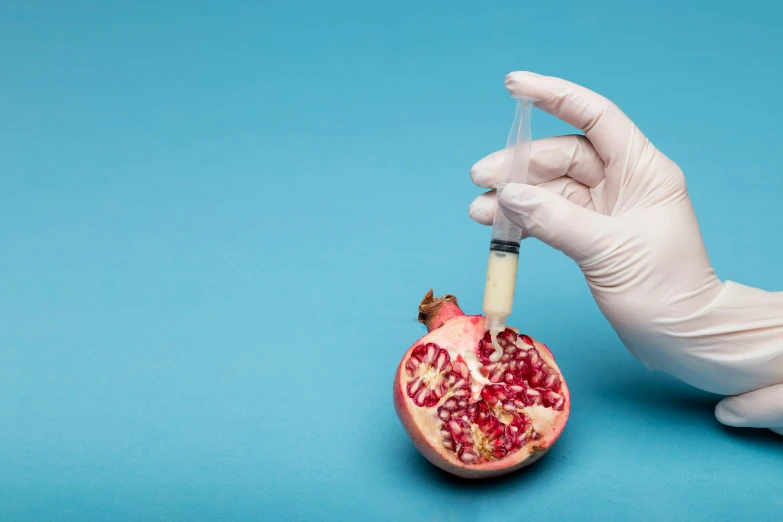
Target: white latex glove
{"type": "Point", "coordinates": [618, 207]}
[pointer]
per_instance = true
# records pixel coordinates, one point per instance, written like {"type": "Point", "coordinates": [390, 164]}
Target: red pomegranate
{"type": "Point", "coordinates": [470, 416]}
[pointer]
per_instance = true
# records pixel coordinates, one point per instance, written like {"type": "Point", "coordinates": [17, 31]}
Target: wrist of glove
{"type": "Point", "coordinates": [732, 347]}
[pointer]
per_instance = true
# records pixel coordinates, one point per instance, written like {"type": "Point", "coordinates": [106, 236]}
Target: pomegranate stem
{"type": "Point", "coordinates": [435, 311]}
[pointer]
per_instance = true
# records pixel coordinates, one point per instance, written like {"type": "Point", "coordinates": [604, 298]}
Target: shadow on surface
{"type": "Point", "coordinates": [662, 395]}
{"type": "Point", "coordinates": [758, 436]}
{"type": "Point", "coordinates": [657, 393]}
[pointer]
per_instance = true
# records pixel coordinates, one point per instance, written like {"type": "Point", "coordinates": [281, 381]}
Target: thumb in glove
{"type": "Point", "coordinates": [576, 231]}
{"type": "Point", "coordinates": [761, 408]}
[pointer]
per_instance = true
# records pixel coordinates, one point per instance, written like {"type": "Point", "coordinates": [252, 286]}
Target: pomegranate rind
{"type": "Point", "coordinates": [463, 333]}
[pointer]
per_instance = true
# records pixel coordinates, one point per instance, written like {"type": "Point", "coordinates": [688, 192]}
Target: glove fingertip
{"type": "Point", "coordinates": [727, 414]}
{"type": "Point", "coordinates": [480, 212]}
{"type": "Point", "coordinates": [487, 172]}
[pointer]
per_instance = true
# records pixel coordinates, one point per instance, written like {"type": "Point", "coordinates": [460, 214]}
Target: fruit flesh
{"type": "Point", "coordinates": [471, 416]}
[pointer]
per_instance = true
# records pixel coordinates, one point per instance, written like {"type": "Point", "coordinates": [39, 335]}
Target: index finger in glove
{"type": "Point", "coordinates": [550, 158]}
{"type": "Point", "coordinates": [757, 409]}
{"type": "Point", "coordinates": [619, 143]}
{"type": "Point", "coordinates": [604, 124]}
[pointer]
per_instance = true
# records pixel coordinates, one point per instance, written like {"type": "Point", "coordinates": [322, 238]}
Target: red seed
{"type": "Point", "coordinates": [488, 396]}
{"type": "Point", "coordinates": [467, 456]}
{"type": "Point", "coordinates": [443, 360]}
{"type": "Point", "coordinates": [537, 379]}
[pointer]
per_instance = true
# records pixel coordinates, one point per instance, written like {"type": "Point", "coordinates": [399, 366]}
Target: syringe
{"type": "Point", "coordinates": [506, 236]}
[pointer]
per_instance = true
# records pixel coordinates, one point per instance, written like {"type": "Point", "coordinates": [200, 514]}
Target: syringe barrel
{"type": "Point", "coordinates": [506, 236]}
{"type": "Point", "coordinates": [502, 267]}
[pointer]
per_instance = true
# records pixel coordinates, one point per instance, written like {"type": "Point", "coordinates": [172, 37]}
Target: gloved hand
{"type": "Point", "coordinates": [618, 207]}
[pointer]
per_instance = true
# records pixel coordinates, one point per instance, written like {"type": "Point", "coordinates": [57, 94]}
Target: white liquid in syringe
{"type": "Point", "coordinates": [501, 280]}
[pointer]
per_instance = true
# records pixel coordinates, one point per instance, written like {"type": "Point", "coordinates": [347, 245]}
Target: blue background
{"type": "Point", "coordinates": [218, 219]}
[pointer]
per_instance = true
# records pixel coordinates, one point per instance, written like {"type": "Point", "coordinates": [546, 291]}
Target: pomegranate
{"type": "Point", "coordinates": [470, 416]}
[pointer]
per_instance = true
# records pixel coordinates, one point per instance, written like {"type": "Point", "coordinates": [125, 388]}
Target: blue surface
{"type": "Point", "coordinates": [217, 223]}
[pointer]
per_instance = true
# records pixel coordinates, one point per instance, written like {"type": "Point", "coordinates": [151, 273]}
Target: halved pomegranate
{"type": "Point", "coordinates": [470, 416]}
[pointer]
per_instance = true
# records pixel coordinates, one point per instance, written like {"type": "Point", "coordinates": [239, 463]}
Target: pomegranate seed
{"type": "Point", "coordinates": [443, 359]}
{"type": "Point", "coordinates": [537, 379]}
{"type": "Point", "coordinates": [467, 456]}
{"type": "Point", "coordinates": [553, 399]}
{"type": "Point", "coordinates": [488, 396]}
{"type": "Point", "coordinates": [533, 396]}
{"type": "Point", "coordinates": [462, 392]}
{"type": "Point", "coordinates": [461, 368]}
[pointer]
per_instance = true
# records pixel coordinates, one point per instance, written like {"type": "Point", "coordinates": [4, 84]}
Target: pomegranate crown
{"type": "Point", "coordinates": [435, 311]}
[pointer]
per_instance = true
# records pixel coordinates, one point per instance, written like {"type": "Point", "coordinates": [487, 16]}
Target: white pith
{"type": "Point", "coordinates": [430, 376]}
